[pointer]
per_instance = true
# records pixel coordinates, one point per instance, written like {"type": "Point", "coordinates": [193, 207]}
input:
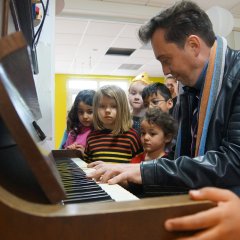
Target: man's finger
{"type": "Point", "coordinates": [212, 194]}
{"type": "Point", "coordinates": [122, 177]}
{"type": "Point", "coordinates": [193, 222]}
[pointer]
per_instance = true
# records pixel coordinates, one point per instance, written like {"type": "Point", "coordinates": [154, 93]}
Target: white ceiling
{"type": "Point", "coordinates": [86, 29]}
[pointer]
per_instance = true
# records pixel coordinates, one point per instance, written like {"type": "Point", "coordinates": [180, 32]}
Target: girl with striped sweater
{"type": "Point", "coordinates": [113, 140]}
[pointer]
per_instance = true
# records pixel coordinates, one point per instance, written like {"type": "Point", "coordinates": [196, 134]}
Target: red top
{"type": "Point", "coordinates": [141, 157]}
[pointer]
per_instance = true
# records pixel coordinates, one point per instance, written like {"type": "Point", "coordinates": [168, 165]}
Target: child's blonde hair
{"type": "Point", "coordinates": [123, 118]}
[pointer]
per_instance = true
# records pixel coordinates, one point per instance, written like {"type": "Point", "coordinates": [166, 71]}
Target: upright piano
{"type": "Point", "coordinates": [37, 185]}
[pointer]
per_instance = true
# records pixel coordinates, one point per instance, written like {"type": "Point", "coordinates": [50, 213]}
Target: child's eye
{"type": "Point", "coordinates": [155, 102]}
{"type": "Point", "coordinates": [89, 112]}
{"type": "Point", "coordinates": [153, 134]}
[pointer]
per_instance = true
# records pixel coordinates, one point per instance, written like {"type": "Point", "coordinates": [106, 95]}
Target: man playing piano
{"type": "Point", "coordinates": [208, 142]}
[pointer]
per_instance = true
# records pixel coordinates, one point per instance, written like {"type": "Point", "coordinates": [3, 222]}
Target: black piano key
{"type": "Point", "coordinates": [85, 200]}
{"type": "Point", "coordinates": [77, 186]}
{"type": "Point", "coordinates": [82, 189]}
{"type": "Point", "coordinates": [69, 185]}
{"type": "Point", "coordinates": [86, 194]}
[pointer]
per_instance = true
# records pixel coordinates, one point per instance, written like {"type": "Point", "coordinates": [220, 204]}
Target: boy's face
{"type": "Point", "coordinates": [152, 137]}
{"type": "Point", "coordinates": [158, 101]}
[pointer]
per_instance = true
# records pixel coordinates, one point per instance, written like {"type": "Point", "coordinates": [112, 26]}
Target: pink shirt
{"type": "Point", "coordinates": [81, 138]}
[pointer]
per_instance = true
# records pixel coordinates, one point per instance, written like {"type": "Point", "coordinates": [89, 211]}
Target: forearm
{"type": "Point", "coordinates": [164, 176]}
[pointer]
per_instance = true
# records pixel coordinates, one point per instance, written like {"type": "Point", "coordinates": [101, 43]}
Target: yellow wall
{"type": "Point", "coordinates": [60, 107]}
{"type": "Point", "coordinates": [61, 98]}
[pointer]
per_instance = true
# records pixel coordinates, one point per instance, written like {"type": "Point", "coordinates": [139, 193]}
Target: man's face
{"type": "Point", "coordinates": [181, 63]}
{"type": "Point", "coordinates": [172, 85]}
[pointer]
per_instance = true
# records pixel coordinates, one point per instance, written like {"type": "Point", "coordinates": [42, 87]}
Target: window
{"type": "Point", "coordinates": [76, 85]}
{"type": "Point", "coordinates": [122, 84]}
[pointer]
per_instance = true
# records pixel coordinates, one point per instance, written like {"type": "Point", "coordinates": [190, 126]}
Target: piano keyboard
{"type": "Point", "coordinates": [80, 189]}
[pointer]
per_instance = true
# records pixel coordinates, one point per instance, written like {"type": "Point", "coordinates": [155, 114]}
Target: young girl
{"type": "Point", "coordinates": [80, 121]}
{"type": "Point", "coordinates": [113, 139]}
{"type": "Point", "coordinates": [135, 99]}
{"type": "Point", "coordinates": [157, 132]}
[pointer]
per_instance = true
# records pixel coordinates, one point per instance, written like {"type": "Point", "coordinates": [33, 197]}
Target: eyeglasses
{"type": "Point", "coordinates": [155, 102]}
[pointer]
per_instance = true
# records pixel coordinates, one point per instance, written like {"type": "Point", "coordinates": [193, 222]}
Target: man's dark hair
{"type": "Point", "coordinates": [183, 19]}
{"type": "Point", "coordinates": [154, 89]}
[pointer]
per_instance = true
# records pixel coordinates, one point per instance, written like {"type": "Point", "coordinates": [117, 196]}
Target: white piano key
{"type": "Point", "coordinates": [116, 192]}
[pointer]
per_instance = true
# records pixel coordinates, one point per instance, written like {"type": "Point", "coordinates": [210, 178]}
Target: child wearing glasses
{"type": "Point", "coordinates": [157, 95]}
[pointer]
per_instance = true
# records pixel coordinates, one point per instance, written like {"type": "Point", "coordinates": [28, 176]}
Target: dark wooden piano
{"type": "Point", "coordinates": [32, 191]}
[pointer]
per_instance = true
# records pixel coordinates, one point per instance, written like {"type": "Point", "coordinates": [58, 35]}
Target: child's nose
{"type": "Point", "coordinates": [151, 105]}
{"type": "Point", "coordinates": [85, 115]}
{"type": "Point", "coordinates": [108, 109]}
{"type": "Point", "coordinates": [146, 136]}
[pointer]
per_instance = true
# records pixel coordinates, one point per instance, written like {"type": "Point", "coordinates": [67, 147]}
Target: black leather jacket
{"type": "Point", "coordinates": [220, 165]}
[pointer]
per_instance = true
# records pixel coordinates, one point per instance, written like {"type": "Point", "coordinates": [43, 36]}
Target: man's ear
{"type": "Point", "coordinates": [193, 44]}
{"type": "Point", "coordinates": [169, 103]}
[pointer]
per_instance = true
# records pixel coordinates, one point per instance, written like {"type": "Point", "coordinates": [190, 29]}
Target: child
{"type": "Point", "coordinates": [80, 121]}
{"type": "Point", "coordinates": [157, 95]}
{"type": "Point", "coordinates": [113, 140]}
{"type": "Point", "coordinates": [157, 132]}
{"type": "Point", "coordinates": [135, 99]}
{"type": "Point", "coordinates": [172, 84]}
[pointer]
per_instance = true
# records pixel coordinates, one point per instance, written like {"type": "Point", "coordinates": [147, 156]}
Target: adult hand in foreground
{"type": "Point", "coordinates": [218, 223]}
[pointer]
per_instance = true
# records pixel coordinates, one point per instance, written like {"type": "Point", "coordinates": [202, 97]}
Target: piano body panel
{"type": "Point", "coordinates": [66, 153]}
{"type": "Point", "coordinates": [17, 177]}
{"type": "Point", "coordinates": [18, 103]}
{"type": "Point", "coordinates": [23, 220]}
{"type": "Point", "coordinates": [23, 153]}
